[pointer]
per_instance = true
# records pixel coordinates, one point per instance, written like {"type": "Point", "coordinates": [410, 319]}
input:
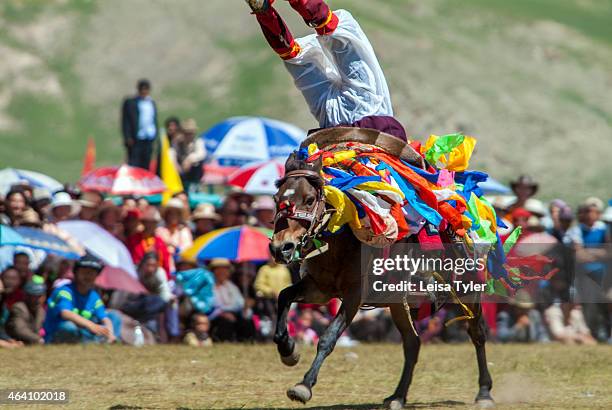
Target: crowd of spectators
{"type": "Point", "coordinates": [55, 300]}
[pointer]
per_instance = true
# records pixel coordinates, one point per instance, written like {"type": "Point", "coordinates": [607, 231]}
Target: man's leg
{"type": "Point", "coordinates": [66, 332]}
{"type": "Point", "coordinates": [316, 14]}
{"type": "Point", "coordinates": [274, 28]}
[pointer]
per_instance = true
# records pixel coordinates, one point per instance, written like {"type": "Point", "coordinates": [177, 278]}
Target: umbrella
{"type": "Point", "coordinates": [101, 243]}
{"type": "Point", "coordinates": [238, 243]}
{"type": "Point", "coordinates": [258, 178]}
{"type": "Point", "coordinates": [118, 279]}
{"type": "Point", "coordinates": [215, 174]}
{"type": "Point", "coordinates": [493, 187]}
{"type": "Point", "coordinates": [39, 239]}
{"type": "Point", "coordinates": [240, 140]}
{"type": "Point", "coordinates": [10, 176]}
{"type": "Point", "coordinates": [10, 237]}
{"type": "Point", "coordinates": [123, 180]}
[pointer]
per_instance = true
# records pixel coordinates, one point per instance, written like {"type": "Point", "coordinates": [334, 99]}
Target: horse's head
{"type": "Point", "coordinates": [299, 208]}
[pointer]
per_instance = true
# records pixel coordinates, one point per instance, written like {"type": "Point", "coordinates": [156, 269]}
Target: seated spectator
{"type": "Point", "coordinates": [89, 202]}
{"type": "Point", "coordinates": [63, 207]}
{"type": "Point", "coordinates": [75, 311]}
{"type": "Point", "coordinates": [109, 218]}
{"type": "Point", "coordinates": [154, 279]}
{"type": "Point", "coordinates": [15, 204]}
{"type": "Point", "coordinates": [131, 223]}
{"type": "Point", "coordinates": [190, 154]}
{"type": "Point", "coordinates": [567, 325]}
{"type": "Point", "coordinates": [145, 241]}
{"type": "Point", "coordinates": [270, 280]}
{"type": "Point", "coordinates": [521, 322]}
{"type": "Point", "coordinates": [173, 128]}
{"type": "Point", "coordinates": [372, 325]}
{"type": "Point", "coordinates": [174, 231]}
{"type": "Point", "coordinates": [264, 208]}
{"type": "Point", "coordinates": [204, 219]}
{"type": "Point", "coordinates": [26, 318]}
{"type": "Point", "coordinates": [21, 262]}
{"type": "Point", "coordinates": [304, 332]}
{"type": "Point", "coordinates": [12, 291]}
{"type": "Point", "coordinates": [230, 320]}
{"type": "Point", "coordinates": [198, 335]}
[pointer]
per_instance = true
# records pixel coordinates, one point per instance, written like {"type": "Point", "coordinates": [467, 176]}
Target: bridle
{"type": "Point", "coordinates": [317, 218]}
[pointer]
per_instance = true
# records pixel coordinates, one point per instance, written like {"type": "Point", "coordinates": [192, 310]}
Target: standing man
{"type": "Point", "coordinates": [139, 125]}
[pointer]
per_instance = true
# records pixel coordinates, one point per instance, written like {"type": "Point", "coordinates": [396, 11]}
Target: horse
{"type": "Point", "coordinates": [299, 220]}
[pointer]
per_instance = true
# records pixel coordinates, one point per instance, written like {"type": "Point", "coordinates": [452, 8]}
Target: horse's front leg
{"type": "Point", "coordinates": [303, 290]}
{"type": "Point", "coordinates": [477, 333]}
{"type": "Point", "coordinates": [303, 391]}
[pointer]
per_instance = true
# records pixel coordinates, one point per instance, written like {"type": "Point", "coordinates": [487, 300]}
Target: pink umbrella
{"type": "Point", "coordinates": [215, 174]}
{"type": "Point", "coordinates": [122, 180]}
{"type": "Point", "coordinates": [118, 279]}
{"type": "Point", "coordinates": [258, 178]}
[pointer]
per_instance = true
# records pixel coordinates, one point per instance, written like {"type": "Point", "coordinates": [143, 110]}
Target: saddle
{"type": "Point", "coordinates": [389, 143]}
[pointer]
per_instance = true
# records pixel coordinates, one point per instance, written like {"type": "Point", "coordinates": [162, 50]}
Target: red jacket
{"type": "Point", "coordinates": [139, 246]}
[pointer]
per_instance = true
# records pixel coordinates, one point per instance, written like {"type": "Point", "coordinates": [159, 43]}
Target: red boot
{"type": "Point", "coordinates": [317, 14]}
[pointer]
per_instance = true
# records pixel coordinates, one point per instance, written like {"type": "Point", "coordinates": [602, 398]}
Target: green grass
{"type": "Point", "coordinates": [252, 377]}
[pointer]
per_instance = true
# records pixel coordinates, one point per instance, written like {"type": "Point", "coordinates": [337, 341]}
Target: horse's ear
{"type": "Point", "coordinates": [292, 162]}
{"type": "Point", "coordinates": [317, 165]}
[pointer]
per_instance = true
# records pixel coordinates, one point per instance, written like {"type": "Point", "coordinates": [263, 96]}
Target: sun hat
{"type": "Point", "coordinates": [535, 206]}
{"type": "Point", "coordinates": [205, 211]}
{"type": "Point", "coordinates": [64, 199]}
{"type": "Point", "coordinates": [264, 203]}
{"type": "Point", "coordinates": [190, 125]}
{"type": "Point", "coordinates": [220, 263]}
{"type": "Point", "coordinates": [593, 202]}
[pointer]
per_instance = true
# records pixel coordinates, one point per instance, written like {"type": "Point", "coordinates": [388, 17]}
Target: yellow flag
{"type": "Point", "coordinates": [168, 171]}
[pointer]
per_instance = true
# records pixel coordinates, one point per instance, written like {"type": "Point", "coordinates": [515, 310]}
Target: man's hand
{"type": "Point", "coordinates": [130, 142]}
{"type": "Point", "coordinates": [99, 330]}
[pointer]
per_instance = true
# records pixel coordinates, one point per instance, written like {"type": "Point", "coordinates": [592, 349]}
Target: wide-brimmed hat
{"type": "Point", "coordinates": [527, 181]}
{"type": "Point", "coordinates": [150, 214]}
{"type": "Point", "coordinates": [190, 125]}
{"type": "Point", "coordinates": [264, 203]}
{"type": "Point", "coordinates": [535, 206]}
{"type": "Point", "coordinates": [64, 199]}
{"type": "Point", "coordinates": [41, 194]}
{"type": "Point", "coordinates": [177, 205]}
{"type": "Point", "coordinates": [593, 202]}
{"type": "Point", "coordinates": [90, 199]}
{"type": "Point", "coordinates": [522, 299]}
{"type": "Point", "coordinates": [220, 263]}
{"type": "Point", "coordinates": [205, 211]}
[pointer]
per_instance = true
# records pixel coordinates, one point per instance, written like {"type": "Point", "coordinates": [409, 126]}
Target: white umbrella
{"type": "Point", "coordinates": [10, 176]}
{"type": "Point", "coordinates": [101, 243]}
{"type": "Point", "coordinates": [258, 178]}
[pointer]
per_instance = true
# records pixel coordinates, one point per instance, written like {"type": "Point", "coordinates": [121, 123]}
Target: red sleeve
{"type": "Point", "coordinates": [165, 255]}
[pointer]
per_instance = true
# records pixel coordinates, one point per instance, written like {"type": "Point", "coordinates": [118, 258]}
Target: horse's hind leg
{"type": "Point", "coordinates": [411, 344]}
{"type": "Point", "coordinates": [303, 391]}
{"type": "Point", "coordinates": [477, 333]}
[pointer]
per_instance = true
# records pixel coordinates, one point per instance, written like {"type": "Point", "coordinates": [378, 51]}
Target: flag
{"type": "Point", "coordinates": [168, 171]}
{"type": "Point", "coordinates": [89, 161]}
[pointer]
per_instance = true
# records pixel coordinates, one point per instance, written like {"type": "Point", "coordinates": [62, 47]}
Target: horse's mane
{"type": "Point", "coordinates": [295, 164]}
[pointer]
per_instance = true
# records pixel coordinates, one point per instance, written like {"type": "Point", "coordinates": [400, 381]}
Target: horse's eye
{"type": "Point", "coordinates": [310, 200]}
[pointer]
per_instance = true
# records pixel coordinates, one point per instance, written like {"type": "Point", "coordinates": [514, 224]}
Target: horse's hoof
{"type": "Point", "coordinates": [292, 359]}
{"type": "Point", "coordinates": [485, 403]}
{"type": "Point", "coordinates": [394, 403]}
{"type": "Point", "coordinates": [300, 393]}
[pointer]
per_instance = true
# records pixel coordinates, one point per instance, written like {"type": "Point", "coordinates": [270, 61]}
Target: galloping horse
{"type": "Point", "coordinates": [300, 218]}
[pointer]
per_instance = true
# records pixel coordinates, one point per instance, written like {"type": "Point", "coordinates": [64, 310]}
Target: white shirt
{"type": "Point", "coordinates": [147, 129]}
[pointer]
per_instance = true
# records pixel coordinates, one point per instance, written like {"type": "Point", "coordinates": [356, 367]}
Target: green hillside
{"type": "Point", "coordinates": [530, 78]}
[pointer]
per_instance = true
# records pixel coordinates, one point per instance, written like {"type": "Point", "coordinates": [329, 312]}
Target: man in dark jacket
{"type": "Point", "coordinates": [139, 125]}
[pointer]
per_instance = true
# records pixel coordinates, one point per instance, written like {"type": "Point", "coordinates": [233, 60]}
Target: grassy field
{"type": "Point", "coordinates": [252, 377]}
{"type": "Point", "coordinates": [529, 78]}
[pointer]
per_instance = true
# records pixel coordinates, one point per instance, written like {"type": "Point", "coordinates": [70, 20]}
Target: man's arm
{"type": "Point", "coordinates": [126, 123]}
{"type": "Point", "coordinates": [80, 321]}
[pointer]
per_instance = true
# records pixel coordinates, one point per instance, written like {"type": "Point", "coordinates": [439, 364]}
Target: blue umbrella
{"type": "Point", "coordinates": [10, 176]}
{"type": "Point", "coordinates": [493, 187]}
{"type": "Point", "coordinates": [9, 237]}
{"type": "Point", "coordinates": [39, 239]}
{"type": "Point", "coordinates": [241, 140]}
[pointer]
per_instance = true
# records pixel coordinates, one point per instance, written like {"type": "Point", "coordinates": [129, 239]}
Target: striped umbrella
{"type": "Point", "coordinates": [238, 243]}
{"type": "Point", "coordinates": [10, 237]}
{"type": "Point", "coordinates": [10, 176]}
{"type": "Point", "coordinates": [240, 140]}
{"type": "Point", "coordinates": [122, 180]}
{"type": "Point", "coordinates": [258, 178]}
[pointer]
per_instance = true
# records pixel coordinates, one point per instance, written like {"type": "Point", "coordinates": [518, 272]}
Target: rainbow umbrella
{"type": "Point", "coordinates": [238, 243]}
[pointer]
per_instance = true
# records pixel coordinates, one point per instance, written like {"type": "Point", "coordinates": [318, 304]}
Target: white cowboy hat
{"type": "Point", "coordinates": [64, 199]}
